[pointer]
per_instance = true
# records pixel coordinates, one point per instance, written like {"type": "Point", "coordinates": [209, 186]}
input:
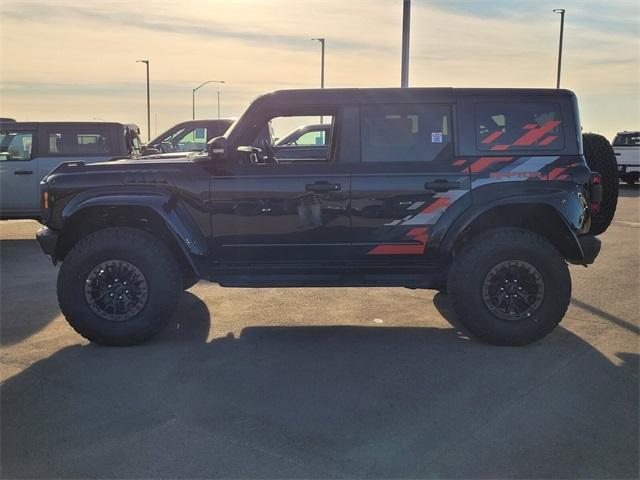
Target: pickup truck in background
{"type": "Point", "coordinates": [30, 150]}
{"type": "Point", "coordinates": [189, 136]}
{"type": "Point", "coordinates": [627, 148]}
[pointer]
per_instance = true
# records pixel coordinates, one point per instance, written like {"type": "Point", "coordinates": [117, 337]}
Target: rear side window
{"type": "Point", "coordinates": [519, 126]}
{"type": "Point", "coordinates": [69, 141]}
{"type": "Point", "coordinates": [405, 133]}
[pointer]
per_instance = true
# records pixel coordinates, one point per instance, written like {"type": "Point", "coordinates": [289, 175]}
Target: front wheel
{"type": "Point", "coordinates": [119, 286]}
{"type": "Point", "coordinates": [509, 287]}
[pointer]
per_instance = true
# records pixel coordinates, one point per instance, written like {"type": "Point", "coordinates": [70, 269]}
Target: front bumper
{"type": "Point", "coordinates": [590, 246]}
{"type": "Point", "coordinates": [48, 240]}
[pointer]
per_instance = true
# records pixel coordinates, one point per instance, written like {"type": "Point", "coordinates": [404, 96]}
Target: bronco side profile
{"type": "Point", "coordinates": [483, 193]}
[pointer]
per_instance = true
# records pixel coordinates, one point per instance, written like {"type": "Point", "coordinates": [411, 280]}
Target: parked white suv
{"type": "Point", "coordinates": [627, 148]}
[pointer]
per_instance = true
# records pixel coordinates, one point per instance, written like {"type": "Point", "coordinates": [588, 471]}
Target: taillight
{"type": "Point", "coordinates": [45, 199]}
{"type": "Point", "coordinates": [595, 192]}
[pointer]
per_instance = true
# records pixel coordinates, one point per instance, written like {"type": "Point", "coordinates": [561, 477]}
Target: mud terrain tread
{"type": "Point", "coordinates": [471, 264]}
{"type": "Point", "coordinates": [602, 159]}
{"type": "Point", "coordinates": [138, 243]}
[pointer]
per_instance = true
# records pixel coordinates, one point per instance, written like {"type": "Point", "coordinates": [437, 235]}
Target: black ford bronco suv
{"type": "Point", "coordinates": [483, 193]}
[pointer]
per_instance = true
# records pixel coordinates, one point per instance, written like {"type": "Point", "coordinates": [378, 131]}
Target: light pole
{"type": "Point", "coordinates": [321, 40]}
{"type": "Point", "coordinates": [406, 26]}
{"type": "Point", "coordinates": [561, 12]}
{"type": "Point", "coordinates": [193, 96]}
{"type": "Point", "coordinates": [148, 101]}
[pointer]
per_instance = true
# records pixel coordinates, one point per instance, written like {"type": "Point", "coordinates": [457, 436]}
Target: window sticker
{"type": "Point", "coordinates": [436, 137]}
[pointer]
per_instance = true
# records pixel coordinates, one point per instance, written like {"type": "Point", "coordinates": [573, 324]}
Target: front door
{"type": "Point", "coordinates": [281, 211]}
{"type": "Point", "coordinates": [406, 180]}
{"type": "Point", "coordinates": [19, 193]}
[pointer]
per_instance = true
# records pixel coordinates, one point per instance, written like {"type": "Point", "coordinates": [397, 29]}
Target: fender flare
{"type": "Point", "coordinates": [165, 204]}
{"type": "Point", "coordinates": [561, 229]}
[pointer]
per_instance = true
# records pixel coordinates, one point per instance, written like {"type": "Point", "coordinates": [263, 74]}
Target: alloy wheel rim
{"type": "Point", "coordinates": [513, 290]}
{"type": "Point", "coordinates": [116, 290]}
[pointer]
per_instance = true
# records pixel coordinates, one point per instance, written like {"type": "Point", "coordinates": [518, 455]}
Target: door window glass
{"type": "Point", "coordinates": [518, 126]}
{"type": "Point", "coordinates": [15, 145]}
{"type": "Point", "coordinates": [405, 133]}
{"type": "Point", "coordinates": [75, 142]}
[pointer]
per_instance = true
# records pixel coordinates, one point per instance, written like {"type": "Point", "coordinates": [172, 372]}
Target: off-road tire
{"type": "Point", "coordinates": [471, 267]}
{"type": "Point", "coordinates": [140, 249]}
{"type": "Point", "coordinates": [602, 159]}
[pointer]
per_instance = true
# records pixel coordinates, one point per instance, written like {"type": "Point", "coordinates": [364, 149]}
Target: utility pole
{"type": "Point", "coordinates": [193, 97]}
{"type": "Point", "coordinates": [561, 12]}
{"type": "Point", "coordinates": [321, 40]}
{"type": "Point", "coordinates": [148, 101]}
{"type": "Point", "coordinates": [406, 27]}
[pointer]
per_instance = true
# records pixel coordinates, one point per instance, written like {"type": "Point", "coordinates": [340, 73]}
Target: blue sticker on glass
{"type": "Point", "coordinates": [436, 137]}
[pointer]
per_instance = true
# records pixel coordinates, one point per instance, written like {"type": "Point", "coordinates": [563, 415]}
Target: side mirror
{"type": "Point", "coordinates": [217, 149]}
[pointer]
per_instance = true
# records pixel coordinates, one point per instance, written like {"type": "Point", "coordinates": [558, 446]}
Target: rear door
{"type": "Point", "coordinates": [66, 143]}
{"type": "Point", "coordinates": [406, 179]}
{"type": "Point", "coordinates": [18, 182]}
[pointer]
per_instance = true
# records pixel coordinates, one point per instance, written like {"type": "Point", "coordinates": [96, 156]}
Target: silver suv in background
{"type": "Point", "coordinates": [30, 150]}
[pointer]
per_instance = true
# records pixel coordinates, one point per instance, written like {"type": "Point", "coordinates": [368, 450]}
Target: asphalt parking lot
{"type": "Point", "coordinates": [307, 382]}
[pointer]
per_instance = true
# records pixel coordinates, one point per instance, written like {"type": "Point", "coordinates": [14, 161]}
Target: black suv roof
{"type": "Point", "coordinates": [373, 95]}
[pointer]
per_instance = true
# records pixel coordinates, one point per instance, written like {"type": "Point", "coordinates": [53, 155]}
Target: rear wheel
{"type": "Point", "coordinates": [602, 159]}
{"type": "Point", "coordinates": [509, 287]}
{"type": "Point", "coordinates": [119, 286]}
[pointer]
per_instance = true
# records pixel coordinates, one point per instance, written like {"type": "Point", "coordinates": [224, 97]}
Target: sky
{"type": "Point", "coordinates": [72, 60]}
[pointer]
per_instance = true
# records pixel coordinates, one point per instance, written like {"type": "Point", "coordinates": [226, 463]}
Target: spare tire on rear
{"type": "Point", "coordinates": [602, 159]}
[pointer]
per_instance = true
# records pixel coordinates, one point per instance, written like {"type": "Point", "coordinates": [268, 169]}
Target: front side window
{"type": "Point", "coordinates": [405, 133]}
{"type": "Point", "coordinates": [74, 142]}
{"type": "Point", "coordinates": [15, 145]}
{"type": "Point", "coordinates": [518, 126]}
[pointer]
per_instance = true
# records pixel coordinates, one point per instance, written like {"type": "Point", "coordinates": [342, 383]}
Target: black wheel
{"type": "Point", "coordinates": [602, 159]}
{"type": "Point", "coordinates": [509, 287]}
{"type": "Point", "coordinates": [119, 286]}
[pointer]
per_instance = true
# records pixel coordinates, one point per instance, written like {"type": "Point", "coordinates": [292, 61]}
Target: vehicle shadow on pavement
{"type": "Point", "coordinates": [629, 191]}
{"type": "Point", "coordinates": [336, 401]}
{"type": "Point", "coordinates": [25, 274]}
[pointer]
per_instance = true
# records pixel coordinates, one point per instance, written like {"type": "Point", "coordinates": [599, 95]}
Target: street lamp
{"type": "Point", "coordinates": [148, 101]}
{"type": "Point", "coordinates": [321, 40]}
{"type": "Point", "coordinates": [561, 12]}
{"type": "Point", "coordinates": [193, 96]}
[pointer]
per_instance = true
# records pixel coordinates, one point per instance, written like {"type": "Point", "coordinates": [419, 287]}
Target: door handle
{"type": "Point", "coordinates": [441, 185]}
{"type": "Point", "coordinates": [323, 187]}
{"type": "Point", "coordinates": [23, 172]}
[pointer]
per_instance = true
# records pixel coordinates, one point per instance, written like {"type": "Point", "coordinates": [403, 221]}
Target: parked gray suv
{"type": "Point", "coordinates": [30, 150]}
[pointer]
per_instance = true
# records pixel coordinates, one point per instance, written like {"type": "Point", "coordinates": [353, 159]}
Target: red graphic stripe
{"type": "Point", "coordinates": [492, 137]}
{"type": "Point", "coordinates": [483, 162]}
{"type": "Point", "coordinates": [534, 134]}
{"type": "Point", "coordinates": [419, 234]}
{"type": "Point", "coordinates": [457, 163]}
{"type": "Point", "coordinates": [548, 140]}
{"type": "Point", "coordinates": [530, 126]}
{"type": "Point", "coordinates": [500, 147]}
{"type": "Point", "coordinates": [398, 250]}
{"type": "Point", "coordinates": [555, 172]}
{"type": "Point", "coordinates": [442, 202]}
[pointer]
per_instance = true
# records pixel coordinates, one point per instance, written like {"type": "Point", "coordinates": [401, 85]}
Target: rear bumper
{"type": "Point", "coordinates": [590, 246]}
{"type": "Point", "coordinates": [48, 240]}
